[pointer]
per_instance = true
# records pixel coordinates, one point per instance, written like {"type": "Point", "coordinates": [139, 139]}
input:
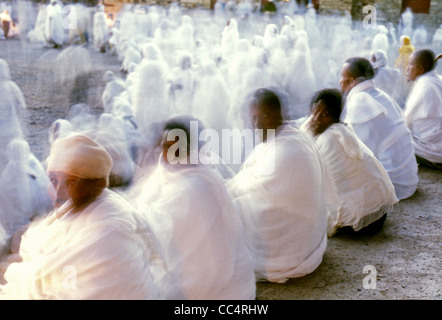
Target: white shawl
{"type": "Point", "coordinates": [103, 252]}
{"type": "Point", "coordinates": [200, 232]}
{"type": "Point", "coordinates": [363, 185]}
{"type": "Point", "coordinates": [423, 112]}
{"type": "Point", "coordinates": [379, 123]}
{"type": "Point", "coordinates": [285, 210]}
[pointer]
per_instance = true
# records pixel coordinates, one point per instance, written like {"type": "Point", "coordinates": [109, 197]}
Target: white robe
{"type": "Point", "coordinates": [285, 193]}
{"type": "Point", "coordinates": [193, 216]}
{"type": "Point", "coordinates": [24, 187]}
{"type": "Point", "coordinates": [423, 112]}
{"type": "Point", "coordinates": [380, 123]}
{"type": "Point", "coordinates": [54, 30]}
{"type": "Point", "coordinates": [151, 101]}
{"type": "Point", "coordinates": [102, 252]}
{"type": "Point", "coordinates": [364, 187]}
{"type": "Point", "coordinates": [12, 110]}
{"type": "Point", "coordinates": [100, 29]}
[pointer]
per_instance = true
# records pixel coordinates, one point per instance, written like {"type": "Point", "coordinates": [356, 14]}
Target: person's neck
{"type": "Point", "coordinates": [277, 130]}
{"type": "Point", "coordinates": [78, 207]}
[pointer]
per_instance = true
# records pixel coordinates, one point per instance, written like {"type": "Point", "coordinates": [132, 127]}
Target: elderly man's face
{"type": "Point", "coordinates": [64, 187]}
{"type": "Point", "coordinates": [80, 191]}
{"type": "Point", "coordinates": [413, 69]}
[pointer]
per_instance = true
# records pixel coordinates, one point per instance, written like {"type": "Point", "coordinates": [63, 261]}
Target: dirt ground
{"type": "Point", "coordinates": [405, 257]}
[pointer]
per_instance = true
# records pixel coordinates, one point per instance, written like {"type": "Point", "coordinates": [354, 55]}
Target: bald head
{"type": "Point", "coordinates": [425, 58]}
{"type": "Point", "coordinates": [266, 98]}
{"type": "Point", "coordinates": [354, 71]}
{"type": "Point", "coordinates": [421, 62]}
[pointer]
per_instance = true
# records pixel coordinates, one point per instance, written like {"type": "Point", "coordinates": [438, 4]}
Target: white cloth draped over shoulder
{"type": "Point", "coordinates": [379, 123]}
{"type": "Point", "coordinates": [423, 112]}
{"type": "Point", "coordinates": [364, 187]}
{"type": "Point", "coordinates": [285, 193]}
{"type": "Point", "coordinates": [24, 189]}
{"type": "Point", "coordinates": [102, 252]}
{"type": "Point", "coordinates": [202, 240]}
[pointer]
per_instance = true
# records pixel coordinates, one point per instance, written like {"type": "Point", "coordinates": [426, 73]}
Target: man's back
{"type": "Point", "coordinates": [363, 185]}
{"type": "Point", "coordinates": [200, 234]}
{"type": "Point", "coordinates": [379, 122]}
{"type": "Point", "coordinates": [284, 210]}
{"type": "Point", "coordinates": [423, 112]}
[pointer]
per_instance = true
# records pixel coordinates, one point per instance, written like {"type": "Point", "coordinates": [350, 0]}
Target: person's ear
{"type": "Point", "coordinates": [420, 69]}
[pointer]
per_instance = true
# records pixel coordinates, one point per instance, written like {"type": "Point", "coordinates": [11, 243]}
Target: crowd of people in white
{"type": "Point", "coordinates": [118, 209]}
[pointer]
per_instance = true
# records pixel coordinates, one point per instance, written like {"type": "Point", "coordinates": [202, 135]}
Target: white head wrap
{"type": "Point", "coordinates": [80, 156]}
{"type": "Point", "coordinates": [379, 59]}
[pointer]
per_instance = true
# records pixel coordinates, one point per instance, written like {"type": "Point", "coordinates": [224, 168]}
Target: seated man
{"type": "Point", "coordinates": [92, 245]}
{"type": "Point", "coordinates": [423, 108]}
{"type": "Point", "coordinates": [284, 193]}
{"type": "Point", "coordinates": [189, 209]}
{"type": "Point", "coordinates": [364, 188]}
{"type": "Point", "coordinates": [379, 122]}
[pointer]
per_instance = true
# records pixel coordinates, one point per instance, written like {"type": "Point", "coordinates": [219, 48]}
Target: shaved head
{"type": "Point", "coordinates": [425, 58]}
{"type": "Point", "coordinates": [421, 62]}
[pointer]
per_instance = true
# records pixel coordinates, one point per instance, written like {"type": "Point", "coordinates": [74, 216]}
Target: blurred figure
{"type": "Point", "coordinates": [5, 24]}
{"type": "Point", "coordinates": [100, 29]}
{"type": "Point", "coordinates": [189, 209]}
{"type": "Point", "coordinates": [406, 23]}
{"type": "Point", "coordinates": [405, 50]}
{"type": "Point", "coordinates": [58, 129]}
{"type": "Point", "coordinates": [284, 193]}
{"type": "Point", "coordinates": [436, 42]}
{"type": "Point", "coordinates": [379, 122]}
{"type": "Point", "coordinates": [114, 87]}
{"type": "Point", "coordinates": [81, 118]}
{"type": "Point", "coordinates": [54, 31]}
{"type": "Point", "coordinates": [212, 99]}
{"type": "Point", "coordinates": [183, 81]}
{"type": "Point", "coordinates": [151, 91]}
{"type": "Point", "coordinates": [386, 78]}
{"type": "Point", "coordinates": [37, 34]}
{"type": "Point", "coordinates": [401, 63]}
{"type": "Point", "coordinates": [12, 109]}
{"type": "Point", "coordinates": [93, 245]}
{"type": "Point", "coordinates": [24, 188]}
{"type": "Point", "coordinates": [229, 39]}
{"type": "Point", "coordinates": [380, 40]}
{"type": "Point", "coordinates": [110, 134]}
{"type": "Point", "coordinates": [300, 80]}
{"type": "Point", "coordinates": [423, 108]}
{"type": "Point", "coordinates": [364, 188]}
{"type": "Point", "coordinates": [420, 37]}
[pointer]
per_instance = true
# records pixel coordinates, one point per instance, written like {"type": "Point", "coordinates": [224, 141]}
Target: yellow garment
{"type": "Point", "coordinates": [404, 54]}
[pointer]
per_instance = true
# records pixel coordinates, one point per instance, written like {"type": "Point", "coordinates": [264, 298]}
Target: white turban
{"type": "Point", "coordinates": [80, 156]}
